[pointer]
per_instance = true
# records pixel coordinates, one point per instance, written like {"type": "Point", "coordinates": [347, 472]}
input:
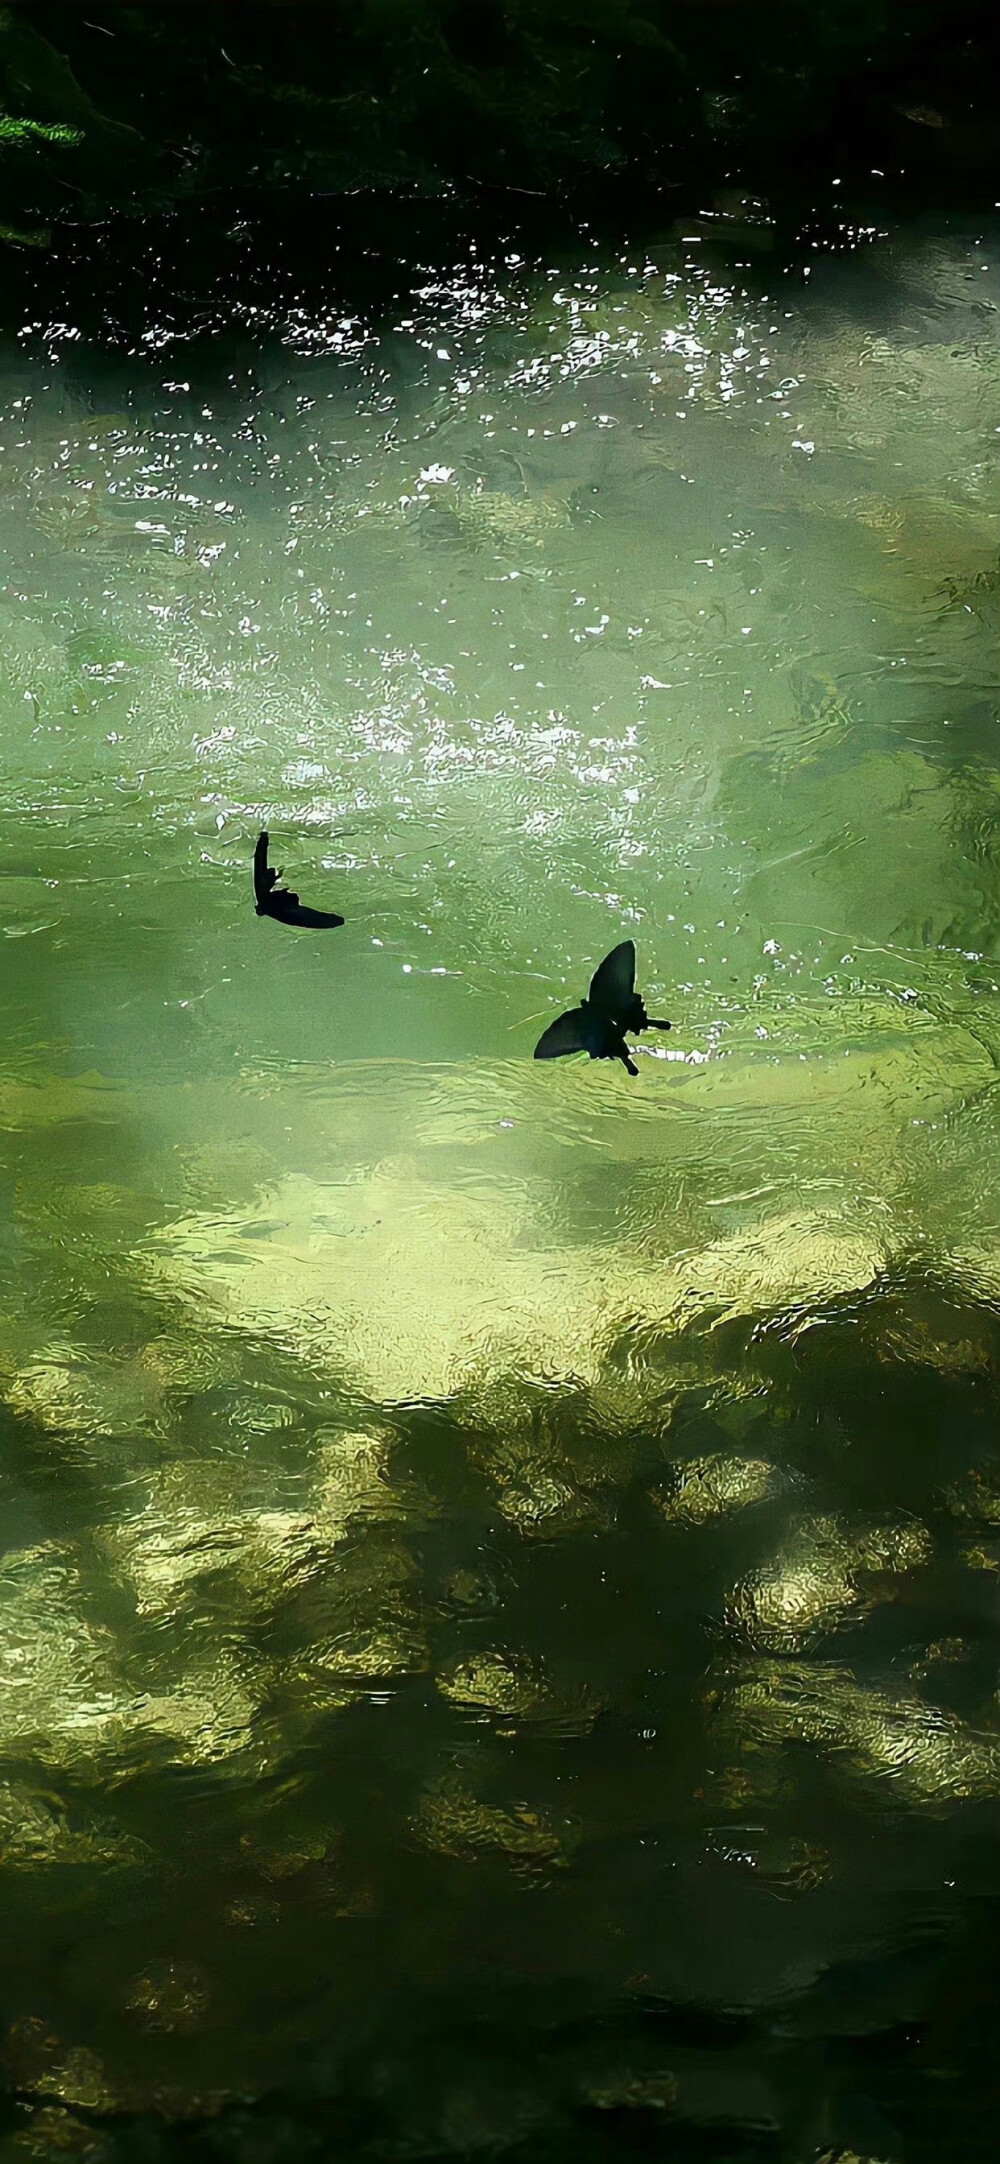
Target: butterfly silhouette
{"type": "Point", "coordinates": [272, 901]}
{"type": "Point", "coordinates": [599, 1023]}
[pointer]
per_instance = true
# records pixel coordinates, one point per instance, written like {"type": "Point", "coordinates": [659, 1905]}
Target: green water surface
{"type": "Point", "coordinates": [499, 1592]}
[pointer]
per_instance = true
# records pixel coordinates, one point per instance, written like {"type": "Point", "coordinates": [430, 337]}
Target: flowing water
{"type": "Point", "coordinates": [499, 1594]}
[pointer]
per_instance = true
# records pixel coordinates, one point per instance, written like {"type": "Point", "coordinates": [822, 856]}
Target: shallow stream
{"type": "Point", "coordinates": [498, 1611]}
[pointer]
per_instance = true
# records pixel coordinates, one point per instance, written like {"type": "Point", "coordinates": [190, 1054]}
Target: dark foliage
{"type": "Point", "coordinates": [199, 115]}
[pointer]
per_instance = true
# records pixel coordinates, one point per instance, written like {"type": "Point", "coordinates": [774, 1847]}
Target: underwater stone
{"type": "Point", "coordinates": [59, 1680]}
{"type": "Point", "coordinates": [811, 1587]}
{"type": "Point", "coordinates": [34, 1834]}
{"type": "Point", "coordinates": [38, 2061]}
{"type": "Point", "coordinates": [918, 1755]}
{"type": "Point", "coordinates": [52, 2132]}
{"type": "Point", "coordinates": [711, 1487]}
{"type": "Point", "coordinates": [181, 1548]}
{"type": "Point", "coordinates": [450, 1818]}
{"type": "Point", "coordinates": [208, 1718]}
{"type": "Point", "coordinates": [514, 1690]}
{"type": "Point", "coordinates": [169, 1998]}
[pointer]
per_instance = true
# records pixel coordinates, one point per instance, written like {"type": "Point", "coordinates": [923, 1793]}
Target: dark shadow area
{"type": "Point", "coordinates": [599, 1850]}
{"type": "Point", "coordinates": [181, 165]}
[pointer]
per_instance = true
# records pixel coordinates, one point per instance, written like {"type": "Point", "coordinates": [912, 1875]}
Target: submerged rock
{"type": "Point", "coordinates": [86, 1397]}
{"type": "Point", "coordinates": [39, 2062]}
{"type": "Point", "coordinates": [285, 1855]}
{"type": "Point", "coordinates": [207, 1715]}
{"type": "Point", "coordinates": [35, 1834]}
{"type": "Point", "coordinates": [619, 2090]}
{"type": "Point", "coordinates": [357, 1486]}
{"type": "Point", "coordinates": [169, 1998]}
{"type": "Point", "coordinates": [363, 1627]}
{"type": "Point", "coordinates": [921, 1757]}
{"type": "Point", "coordinates": [70, 1701]}
{"type": "Point", "coordinates": [815, 1584]}
{"type": "Point", "coordinates": [193, 1540]}
{"type": "Point", "coordinates": [712, 1487]}
{"type": "Point", "coordinates": [455, 1821]}
{"type": "Point", "coordinates": [514, 1691]}
{"type": "Point", "coordinates": [52, 2132]}
{"type": "Point", "coordinates": [871, 391]}
{"type": "Point", "coordinates": [494, 518]}
{"type": "Point", "coordinates": [60, 1680]}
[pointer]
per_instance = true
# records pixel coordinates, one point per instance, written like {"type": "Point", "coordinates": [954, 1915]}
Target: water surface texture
{"type": "Point", "coordinates": [499, 1593]}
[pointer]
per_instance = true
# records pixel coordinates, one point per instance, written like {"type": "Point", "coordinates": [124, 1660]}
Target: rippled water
{"type": "Point", "coordinates": [498, 1611]}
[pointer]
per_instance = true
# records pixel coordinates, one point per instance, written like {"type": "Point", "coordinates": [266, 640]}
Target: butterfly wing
{"type": "Point", "coordinates": [263, 877]}
{"type": "Point", "coordinates": [567, 1034]}
{"type": "Point", "coordinates": [613, 984]}
{"type": "Point", "coordinates": [611, 1044]}
{"type": "Point", "coordinates": [280, 902]}
{"type": "Point", "coordinates": [289, 910]}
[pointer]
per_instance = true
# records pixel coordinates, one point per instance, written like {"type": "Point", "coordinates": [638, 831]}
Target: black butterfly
{"type": "Point", "coordinates": [599, 1023]}
{"type": "Point", "coordinates": [270, 901]}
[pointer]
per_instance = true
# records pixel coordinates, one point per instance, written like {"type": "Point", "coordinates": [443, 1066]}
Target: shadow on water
{"type": "Point", "coordinates": [525, 1783]}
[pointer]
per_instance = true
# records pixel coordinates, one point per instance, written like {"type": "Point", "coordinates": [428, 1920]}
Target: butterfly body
{"type": "Point", "coordinates": [270, 900]}
{"type": "Point", "coordinates": [598, 1025]}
